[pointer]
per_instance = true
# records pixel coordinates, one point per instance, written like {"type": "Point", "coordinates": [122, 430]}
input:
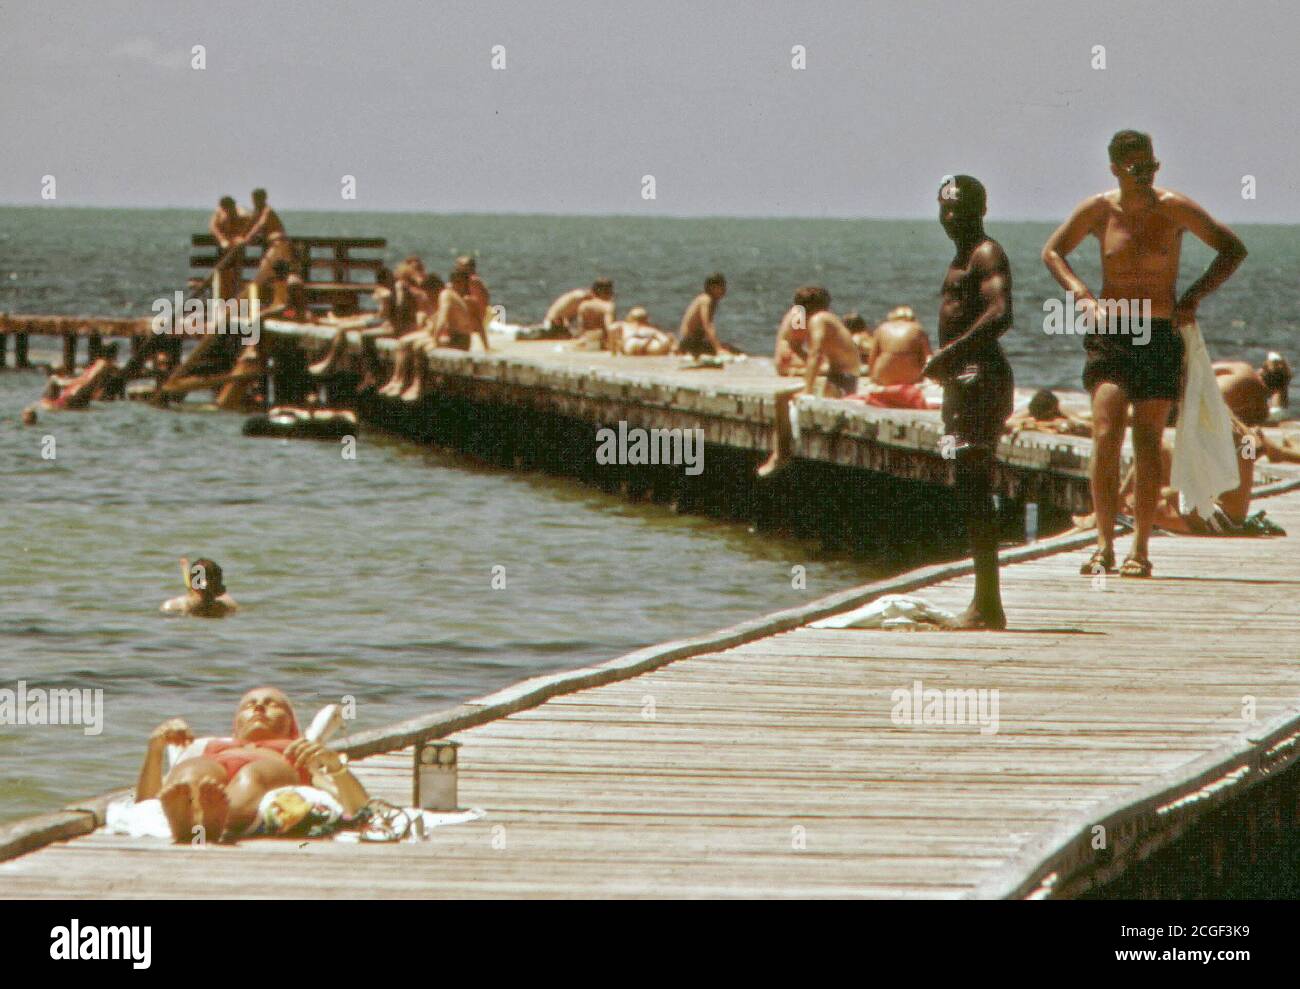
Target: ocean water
{"type": "Point", "coordinates": [372, 578]}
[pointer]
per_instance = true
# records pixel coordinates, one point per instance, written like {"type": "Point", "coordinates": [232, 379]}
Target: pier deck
{"type": "Point", "coordinates": [767, 763]}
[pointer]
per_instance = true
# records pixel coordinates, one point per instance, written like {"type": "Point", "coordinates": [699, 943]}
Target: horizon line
{"type": "Point", "coordinates": [846, 218]}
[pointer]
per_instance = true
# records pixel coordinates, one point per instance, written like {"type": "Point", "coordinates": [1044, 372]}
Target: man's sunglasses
{"type": "Point", "coordinates": [1142, 168]}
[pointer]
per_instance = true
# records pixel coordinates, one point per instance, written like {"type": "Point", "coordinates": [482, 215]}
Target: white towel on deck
{"type": "Point", "coordinates": [890, 611]}
{"type": "Point", "coordinates": [1205, 455]}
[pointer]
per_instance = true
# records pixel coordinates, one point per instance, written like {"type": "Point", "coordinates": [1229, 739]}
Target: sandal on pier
{"type": "Point", "coordinates": [1101, 561]}
{"type": "Point", "coordinates": [1136, 566]}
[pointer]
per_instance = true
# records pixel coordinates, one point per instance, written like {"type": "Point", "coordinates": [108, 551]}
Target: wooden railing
{"type": "Point", "coordinates": [325, 264]}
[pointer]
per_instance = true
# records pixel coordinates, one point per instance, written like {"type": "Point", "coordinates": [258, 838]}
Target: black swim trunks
{"type": "Point", "coordinates": [697, 344]}
{"type": "Point", "coordinates": [977, 400]}
{"type": "Point", "coordinates": [1144, 370]}
{"type": "Point", "coordinates": [847, 383]}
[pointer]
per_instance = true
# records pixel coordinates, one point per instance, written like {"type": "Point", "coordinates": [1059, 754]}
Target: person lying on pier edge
{"type": "Point", "coordinates": [205, 592]}
{"type": "Point", "coordinates": [595, 317]}
{"type": "Point", "coordinates": [791, 343]}
{"type": "Point", "coordinates": [1139, 229]}
{"type": "Point", "coordinates": [1045, 415]}
{"type": "Point", "coordinates": [862, 337]}
{"type": "Point", "coordinates": [1254, 396]}
{"type": "Point", "coordinates": [478, 299]}
{"type": "Point", "coordinates": [899, 349]}
{"type": "Point", "coordinates": [636, 336]}
{"type": "Point", "coordinates": [229, 222]}
{"type": "Point", "coordinates": [221, 785]}
{"type": "Point", "coordinates": [978, 386]}
{"type": "Point", "coordinates": [698, 333]}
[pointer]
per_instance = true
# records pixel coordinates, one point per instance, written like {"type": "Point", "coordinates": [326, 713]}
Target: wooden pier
{"type": "Point", "coordinates": [769, 760]}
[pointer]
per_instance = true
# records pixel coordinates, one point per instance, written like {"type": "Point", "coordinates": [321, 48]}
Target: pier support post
{"type": "Point", "coordinates": [69, 353]}
{"type": "Point", "coordinates": [20, 351]}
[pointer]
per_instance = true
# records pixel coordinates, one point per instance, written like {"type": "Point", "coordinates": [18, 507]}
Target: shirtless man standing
{"type": "Point", "coordinates": [596, 316]}
{"type": "Point", "coordinates": [978, 387]}
{"type": "Point", "coordinates": [900, 349]}
{"type": "Point", "coordinates": [697, 334]}
{"type": "Point", "coordinates": [227, 225]}
{"type": "Point", "coordinates": [265, 225]}
{"type": "Point", "coordinates": [1140, 229]}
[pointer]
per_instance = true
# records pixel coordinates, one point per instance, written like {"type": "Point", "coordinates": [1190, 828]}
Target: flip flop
{"type": "Point", "coordinates": [1100, 562]}
{"type": "Point", "coordinates": [1135, 567]}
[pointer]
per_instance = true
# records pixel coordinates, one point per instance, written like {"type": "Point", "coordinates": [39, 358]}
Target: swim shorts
{"type": "Point", "coordinates": [1144, 371]}
{"type": "Point", "coordinates": [977, 401]}
{"type": "Point", "coordinates": [845, 382]}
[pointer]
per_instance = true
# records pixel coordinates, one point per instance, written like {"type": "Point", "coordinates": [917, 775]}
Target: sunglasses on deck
{"type": "Point", "coordinates": [1142, 168]}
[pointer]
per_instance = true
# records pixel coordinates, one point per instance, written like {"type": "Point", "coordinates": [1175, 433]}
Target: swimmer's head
{"type": "Point", "coordinates": [813, 298]}
{"type": "Point", "coordinates": [637, 314]}
{"type": "Point", "coordinates": [602, 288]}
{"type": "Point", "coordinates": [29, 416]}
{"type": "Point", "coordinates": [205, 579]}
{"type": "Point", "coordinates": [716, 285]}
{"type": "Point", "coordinates": [854, 323]}
{"type": "Point", "coordinates": [265, 713]}
{"type": "Point", "coordinates": [1044, 405]}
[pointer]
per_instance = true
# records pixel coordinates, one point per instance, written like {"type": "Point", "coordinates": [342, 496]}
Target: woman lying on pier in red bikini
{"type": "Point", "coordinates": [220, 789]}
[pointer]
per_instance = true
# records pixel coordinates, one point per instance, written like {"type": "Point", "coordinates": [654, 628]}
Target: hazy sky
{"type": "Point", "coordinates": [700, 94]}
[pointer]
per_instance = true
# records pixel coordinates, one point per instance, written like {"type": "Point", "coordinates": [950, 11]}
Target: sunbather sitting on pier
{"type": "Point", "coordinates": [562, 313]}
{"type": "Point", "coordinates": [698, 333]}
{"type": "Point", "coordinates": [829, 343]}
{"type": "Point", "coordinates": [452, 326]}
{"type": "Point", "coordinates": [478, 298]}
{"type": "Point", "coordinates": [219, 789]}
{"type": "Point", "coordinates": [205, 592]}
{"type": "Point", "coordinates": [1253, 395]}
{"type": "Point", "coordinates": [635, 335]}
{"type": "Point", "coordinates": [1044, 415]}
{"type": "Point", "coordinates": [900, 349]}
{"type": "Point", "coordinates": [382, 296]}
{"type": "Point", "coordinates": [595, 317]}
